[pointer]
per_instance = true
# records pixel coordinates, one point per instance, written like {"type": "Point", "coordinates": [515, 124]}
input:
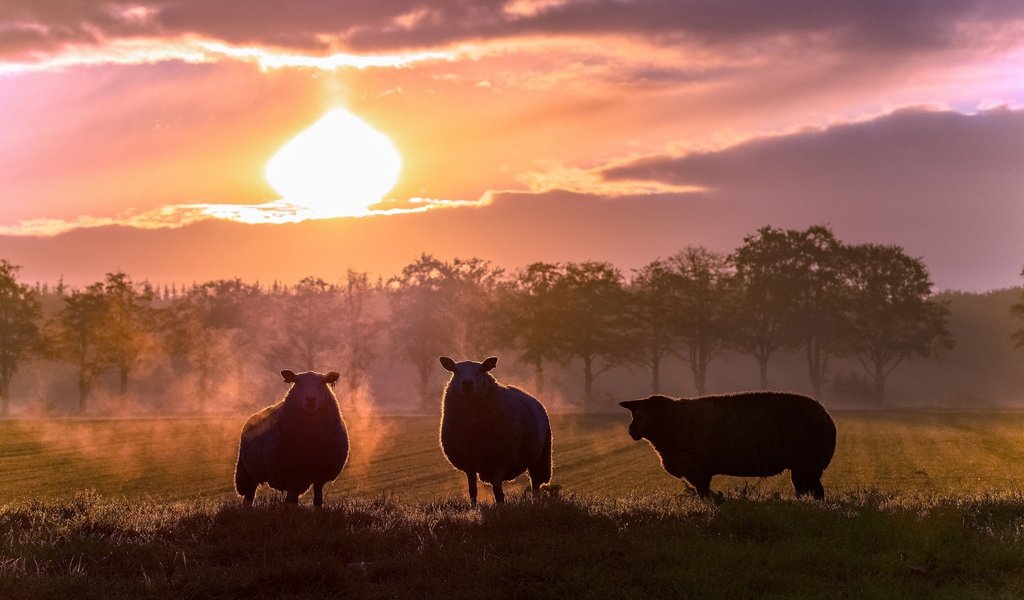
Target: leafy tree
{"type": "Point", "coordinates": [303, 323]}
{"type": "Point", "coordinates": [763, 307]}
{"type": "Point", "coordinates": [77, 336]}
{"type": "Point", "coordinates": [890, 312]}
{"type": "Point", "coordinates": [128, 324]}
{"type": "Point", "coordinates": [529, 314]}
{"type": "Point", "coordinates": [20, 311]}
{"type": "Point", "coordinates": [1017, 312]}
{"type": "Point", "coordinates": [590, 324]}
{"type": "Point", "coordinates": [813, 275]}
{"type": "Point", "coordinates": [705, 308]}
{"type": "Point", "coordinates": [201, 328]}
{"type": "Point", "coordinates": [440, 308]}
{"type": "Point", "coordinates": [358, 328]}
{"type": "Point", "coordinates": [654, 314]}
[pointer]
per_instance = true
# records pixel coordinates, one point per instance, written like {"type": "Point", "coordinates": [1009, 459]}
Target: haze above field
{"type": "Point", "coordinates": [135, 135]}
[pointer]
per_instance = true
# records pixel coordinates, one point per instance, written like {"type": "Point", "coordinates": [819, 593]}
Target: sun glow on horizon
{"type": "Point", "coordinates": [338, 167]}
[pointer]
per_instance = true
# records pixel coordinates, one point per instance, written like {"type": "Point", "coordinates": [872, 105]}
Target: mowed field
{"type": "Point", "coordinates": [920, 505]}
{"type": "Point", "coordinates": [904, 451]}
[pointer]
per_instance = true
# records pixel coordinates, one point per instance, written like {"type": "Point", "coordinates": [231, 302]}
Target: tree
{"type": "Point", "coordinates": [441, 308]}
{"type": "Point", "coordinates": [358, 328]}
{"type": "Point", "coordinates": [891, 315]}
{"type": "Point", "coordinates": [654, 313]}
{"type": "Point", "coordinates": [128, 324]}
{"type": "Point", "coordinates": [1017, 312]}
{"type": "Point", "coordinates": [529, 313]}
{"type": "Point", "coordinates": [310, 332]}
{"type": "Point", "coordinates": [590, 322]}
{"type": "Point", "coordinates": [763, 297]}
{"type": "Point", "coordinates": [76, 336]}
{"type": "Point", "coordinates": [813, 275]}
{"type": "Point", "coordinates": [20, 311]}
{"type": "Point", "coordinates": [201, 328]}
{"type": "Point", "coordinates": [705, 308]}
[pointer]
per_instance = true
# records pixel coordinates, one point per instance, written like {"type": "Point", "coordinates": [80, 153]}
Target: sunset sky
{"type": "Point", "coordinates": [136, 135]}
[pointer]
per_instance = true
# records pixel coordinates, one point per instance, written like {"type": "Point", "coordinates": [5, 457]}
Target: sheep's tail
{"type": "Point", "coordinates": [540, 472]}
{"type": "Point", "coordinates": [245, 485]}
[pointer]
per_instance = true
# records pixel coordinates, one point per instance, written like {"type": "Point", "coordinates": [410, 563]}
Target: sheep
{"type": "Point", "coordinates": [749, 434]}
{"type": "Point", "coordinates": [491, 430]}
{"type": "Point", "coordinates": [298, 442]}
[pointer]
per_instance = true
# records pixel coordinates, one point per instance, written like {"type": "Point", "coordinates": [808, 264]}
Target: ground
{"type": "Point", "coordinates": [921, 504]}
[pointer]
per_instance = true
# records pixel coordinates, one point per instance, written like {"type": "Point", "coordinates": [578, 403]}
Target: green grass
{"type": "Point", "coordinates": [921, 504]}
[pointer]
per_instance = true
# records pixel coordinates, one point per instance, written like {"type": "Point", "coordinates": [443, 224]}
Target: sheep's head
{"type": "Point", "coordinates": [469, 378]}
{"type": "Point", "coordinates": [310, 391]}
{"type": "Point", "coordinates": [647, 413]}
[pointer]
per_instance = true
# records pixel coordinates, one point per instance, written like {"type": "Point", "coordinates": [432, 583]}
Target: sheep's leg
{"type": "Point", "coordinates": [318, 494]}
{"type": "Point", "coordinates": [292, 497]}
{"type": "Point", "coordinates": [499, 493]}
{"type": "Point", "coordinates": [471, 479]}
{"type": "Point", "coordinates": [701, 483]}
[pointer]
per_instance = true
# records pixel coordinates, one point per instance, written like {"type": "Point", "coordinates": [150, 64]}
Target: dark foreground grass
{"type": "Point", "coordinates": [754, 545]}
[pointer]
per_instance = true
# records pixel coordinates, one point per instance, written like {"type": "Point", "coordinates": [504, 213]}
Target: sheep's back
{"type": "Point", "coordinates": [760, 433]}
{"type": "Point", "coordinates": [497, 436]}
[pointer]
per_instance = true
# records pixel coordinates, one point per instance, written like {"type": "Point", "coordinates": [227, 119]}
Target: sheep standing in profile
{"type": "Point", "coordinates": [297, 443]}
{"type": "Point", "coordinates": [492, 431]}
{"type": "Point", "coordinates": [750, 434]}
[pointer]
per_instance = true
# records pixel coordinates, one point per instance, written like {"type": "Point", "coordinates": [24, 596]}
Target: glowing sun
{"type": "Point", "coordinates": [337, 167]}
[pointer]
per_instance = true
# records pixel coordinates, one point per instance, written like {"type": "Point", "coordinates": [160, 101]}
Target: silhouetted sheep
{"type": "Point", "coordinates": [493, 431]}
{"type": "Point", "coordinates": [750, 434]}
{"type": "Point", "coordinates": [298, 442]}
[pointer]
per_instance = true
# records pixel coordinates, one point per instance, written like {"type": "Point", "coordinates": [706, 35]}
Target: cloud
{"type": "Point", "coordinates": [946, 185]}
{"type": "Point", "coordinates": [182, 215]}
{"type": "Point", "coordinates": [32, 31]}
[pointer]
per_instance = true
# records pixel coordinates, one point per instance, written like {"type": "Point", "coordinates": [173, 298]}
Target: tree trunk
{"type": "Point", "coordinates": [762, 364]}
{"type": "Point", "coordinates": [83, 392]}
{"type": "Point", "coordinates": [700, 375]}
{"type": "Point", "coordinates": [424, 389]}
{"type": "Point", "coordinates": [588, 380]}
{"type": "Point", "coordinates": [124, 381]}
{"type": "Point", "coordinates": [656, 375]}
{"type": "Point", "coordinates": [538, 376]}
{"type": "Point", "coordinates": [879, 383]}
{"type": "Point", "coordinates": [5, 398]}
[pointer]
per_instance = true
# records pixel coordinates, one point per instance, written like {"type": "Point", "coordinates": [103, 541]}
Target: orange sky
{"type": "Point", "coordinates": [564, 129]}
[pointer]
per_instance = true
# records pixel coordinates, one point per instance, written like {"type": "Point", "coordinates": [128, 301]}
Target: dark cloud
{"type": "Point", "coordinates": [879, 25]}
{"type": "Point", "coordinates": [948, 186]}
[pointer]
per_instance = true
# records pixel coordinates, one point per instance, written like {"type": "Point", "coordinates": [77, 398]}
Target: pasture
{"type": "Point", "coordinates": [921, 504]}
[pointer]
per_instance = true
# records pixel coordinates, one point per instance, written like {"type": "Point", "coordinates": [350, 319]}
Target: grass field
{"type": "Point", "coordinates": [921, 504]}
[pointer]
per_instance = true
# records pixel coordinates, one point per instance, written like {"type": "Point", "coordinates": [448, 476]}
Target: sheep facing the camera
{"type": "Point", "coordinates": [749, 434]}
{"type": "Point", "coordinates": [492, 431]}
{"type": "Point", "coordinates": [299, 442]}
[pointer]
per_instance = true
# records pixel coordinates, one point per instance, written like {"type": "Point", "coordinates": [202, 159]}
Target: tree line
{"type": "Point", "coordinates": [782, 290]}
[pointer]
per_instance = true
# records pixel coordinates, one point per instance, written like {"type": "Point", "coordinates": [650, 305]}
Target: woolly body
{"type": "Point", "coordinates": [494, 432]}
{"type": "Point", "coordinates": [290, 445]}
{"type": "Point", "coordinates": [750, 434]}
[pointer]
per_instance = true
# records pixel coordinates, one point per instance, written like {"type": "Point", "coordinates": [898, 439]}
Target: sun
{"type": "Point", "coordinates": [337, 167]}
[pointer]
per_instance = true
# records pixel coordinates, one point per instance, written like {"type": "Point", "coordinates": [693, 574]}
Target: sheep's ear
{"type": "Point", "coordinates": [332, 377]}
{"type": "Point", "coordinates": [489, 364]}
{"type": "Point", "coordinates": [632, 405]}
{"type": "Point", "coordinates": [288, 376]}
{"type": "Point", "coordinates": [447, 363]}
